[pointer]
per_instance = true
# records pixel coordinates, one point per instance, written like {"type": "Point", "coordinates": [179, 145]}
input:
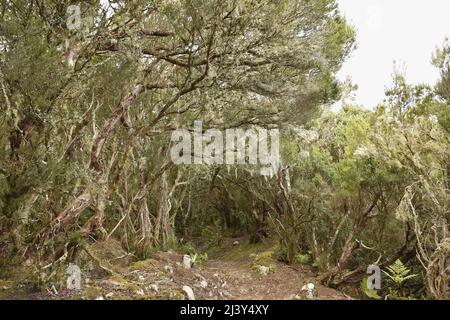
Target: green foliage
{"type": "Point", "coordinates": [321, 262]}
{"type": "Point", "coordinates": [303, 258]}
{"type": "Point", "coordinates": [265, 258]}
{"type": "Point", "coordinates": [85, 136]}
{"type": "Point", "coordinates": [280, 253]}
{"type": "Point", "coordinates": [199, 258]}
{"type": "Point", "coordinates": [371, 293]}
{"type": "Point", "coordinates": [212, 235]}
{"type": "Point", "coordinates": [398, 273]}
{"type": "Point", "coordinates": [441, 60]}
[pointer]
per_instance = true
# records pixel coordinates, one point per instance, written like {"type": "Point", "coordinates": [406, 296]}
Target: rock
{"type": "Point", "coordinates": [263, 270]}
{"type": "Point", "coordinates": [54, 289]}
{"type": "Point", "coordinates": [110, 295]}
{"type": "Point", "coordinates": [168, 269]}
{"type": "Point", "coordinates": [140, 292]}
{"type": "Point", "coordinates": [311, 292]}
{"type": "Point", "coordinates": [201, 281]}
{"type": "Point", "coordinates": [154, 287]}
{"type": "Point", "coordinates": [187, 261]}
{"type": "Point", "coordinates": [29, 262]}
{"type": "Point", "coordinates": [189, 292]}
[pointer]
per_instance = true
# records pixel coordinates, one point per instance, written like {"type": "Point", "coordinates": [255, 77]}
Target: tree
{"type": "Point", "coordinates": [89, 111]}
{"type": "Point", "coordinates": [441, 60]}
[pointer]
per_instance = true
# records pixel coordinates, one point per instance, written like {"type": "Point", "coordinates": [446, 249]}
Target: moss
{"type": "Point", "coordinates": [20, 273]}
{"type": "Point", "coordinates": [7, 289]}
{"type": "Point", "coordinates": [92, 293]}
{"type": "Point", "coordinates": [108, 253]}
{"type": "Point", "coordinates": [130, 287]}
{"type": "Point", "coordinates": [238, 252]}
{"type": "Point", "coordinates": [123, 284]}
{"type": "Point", "coordinates": [118, 279]}
{"type": "Point", "coordinates": [143, 265]}
{"type": "Point", "coordinates": [6, 284]}
{"type": "Point", "coordinates": [264, 258]}
{"type": "Point", "coordinates": [168, 294]}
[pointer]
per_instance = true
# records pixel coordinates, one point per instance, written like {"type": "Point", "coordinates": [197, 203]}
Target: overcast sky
{"type": "Point", "coordinates": [407, 31]}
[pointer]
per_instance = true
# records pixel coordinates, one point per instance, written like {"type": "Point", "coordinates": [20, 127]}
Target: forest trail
{"type": "Point", "coordinates": [232, 272]}
{"type": "Point", "coordinates": [284, 283]}
{"type": "Point", "coordinates": [241, 272]}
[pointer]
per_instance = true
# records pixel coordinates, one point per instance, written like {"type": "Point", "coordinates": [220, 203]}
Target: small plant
{"type": "Point", "coordinates": [188, 248]}
{"type": "Point", "coordinates": [371, 293]}
{"type": "Point", "coordinates": [212, 235]}
{"type": "Point", "coordinates": [199, 258]}
{"type": "Point", "coordinates": [302, 258]}
{"type": "Point", "coordinates": [320, 262]}
{"type": "Point", "coordinates": [398, 273]}
{"type": "Point", "coordinates": [280, 253]}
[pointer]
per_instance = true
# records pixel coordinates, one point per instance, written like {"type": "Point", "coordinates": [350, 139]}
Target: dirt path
{"type": "Point", "coordinates": [236, 266]}
{"type": "Point", "coordinates": [284, 283]}
{"type": "Point", "coordinates": [231, 273]}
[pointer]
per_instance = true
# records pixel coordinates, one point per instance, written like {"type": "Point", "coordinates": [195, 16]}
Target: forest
{"type": "Point", "coordinates": [94, 97]}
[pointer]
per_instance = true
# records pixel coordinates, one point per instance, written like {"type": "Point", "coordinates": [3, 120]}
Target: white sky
{"type": "Point", "coordinates": [406, 31]}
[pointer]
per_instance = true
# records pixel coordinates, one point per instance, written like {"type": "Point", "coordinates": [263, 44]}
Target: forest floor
{"type": "Point", "coordinates": [240, 266]}
{"type": "Point", "coordinates": [235, 270]}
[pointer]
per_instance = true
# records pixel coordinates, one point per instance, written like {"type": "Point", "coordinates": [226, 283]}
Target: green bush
{"type": "Point", "coordinates": [302, 258]}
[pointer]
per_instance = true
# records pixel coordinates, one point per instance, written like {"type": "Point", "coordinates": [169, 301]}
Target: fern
{"type": "Point", "coordinates": [398, 272]}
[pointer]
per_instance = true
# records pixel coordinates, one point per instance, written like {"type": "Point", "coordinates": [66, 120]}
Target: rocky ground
{"type": "Point", "coordinates": [233, 271]}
